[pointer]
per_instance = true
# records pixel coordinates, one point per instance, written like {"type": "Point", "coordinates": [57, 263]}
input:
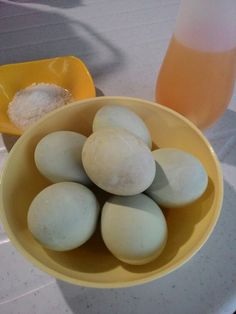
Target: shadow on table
{"type": "Point", "coordinates": [38, 33]}
{"type": "Point", "coordinates": [222, 136]}
{"type": "Point", "coordinates": [81, 299]}
{"type": "Point", "coordinates": [65, 4]}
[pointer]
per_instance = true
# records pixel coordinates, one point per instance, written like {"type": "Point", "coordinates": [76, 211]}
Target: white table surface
{"type": "Point", "coordinates": [123, 43]}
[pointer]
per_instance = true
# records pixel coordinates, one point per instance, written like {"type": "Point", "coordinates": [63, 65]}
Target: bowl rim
{"type": "Point", "coordinates": [12, 129]}
{"type": "Point", "coordinates": [118, 284]}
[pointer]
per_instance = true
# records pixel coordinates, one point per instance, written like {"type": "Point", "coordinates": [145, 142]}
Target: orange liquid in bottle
{"type": "Point", "coordinates": [197, 84]}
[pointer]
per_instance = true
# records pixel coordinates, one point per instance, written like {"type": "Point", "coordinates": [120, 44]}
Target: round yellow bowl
{"type": "Point", "coordinates": [92, 265]}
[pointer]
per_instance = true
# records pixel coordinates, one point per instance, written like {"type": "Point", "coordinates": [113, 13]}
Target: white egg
{"type": "Point", "coordinates": [118, 162]}
{"type": "Point", "coordinates": [63, 216]}
{"type": "Point", "coordinates": [180, 178]}
{"type": "Point", "coordinates": [133, 228]}
{"type": "Point", "coordinates": [116, 116]}
{"type": "Point", "coordinates": [58, 157]}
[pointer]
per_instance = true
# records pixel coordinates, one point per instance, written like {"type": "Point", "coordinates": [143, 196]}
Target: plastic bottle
{"type": "Point", "coordinates": [198, 72]}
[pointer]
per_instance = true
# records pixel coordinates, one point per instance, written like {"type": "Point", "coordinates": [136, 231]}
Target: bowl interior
{"type": "Point", "coordinates": [67, 72]}
{"type": "Point", "coordinates": [92, 264]}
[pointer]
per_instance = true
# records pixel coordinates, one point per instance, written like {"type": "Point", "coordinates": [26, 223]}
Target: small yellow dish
{"type": "Point", "coordinates": [67, 72]}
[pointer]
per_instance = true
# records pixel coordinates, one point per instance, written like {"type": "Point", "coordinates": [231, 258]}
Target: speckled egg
{"type": "Point", "coordinates": [118, 162]}
{"type": "Point", "coordinates": [133, 228]}
{"type": "Point", "coordinates": [116, 116]}
{"type": "Point", "coordinates": [58, 157]}
{"type": "Point", "coordinates": [180, 178]}
{"type": "Point", "coordinates": [63, 216]}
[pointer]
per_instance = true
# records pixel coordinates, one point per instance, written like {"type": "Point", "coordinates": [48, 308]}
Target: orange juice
{"type": "Point", "coordinates": [198, 84]}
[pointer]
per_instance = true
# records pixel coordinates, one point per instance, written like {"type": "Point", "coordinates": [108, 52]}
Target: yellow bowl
{"type": "Point", "coordinates": [67, 72]}
{"type": "Point", "coordinates": [92, 265]}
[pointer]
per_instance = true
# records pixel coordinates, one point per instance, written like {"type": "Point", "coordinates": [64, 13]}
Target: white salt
{"type": "Point", "coordinates": [33, 102]}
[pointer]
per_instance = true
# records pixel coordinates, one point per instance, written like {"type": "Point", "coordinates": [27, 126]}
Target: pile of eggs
{"type": "Point", "coordinates": [117, 158]}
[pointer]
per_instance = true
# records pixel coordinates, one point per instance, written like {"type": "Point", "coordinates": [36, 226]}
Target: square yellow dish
{"type": "Point", "coordinates": [68, 72]}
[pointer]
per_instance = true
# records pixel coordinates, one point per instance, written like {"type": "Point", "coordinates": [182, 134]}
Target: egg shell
{"type": "Point", "coordinates": [116, 116]}
{"type": "Point", "coordinates": [63, 216]}
{"type": "Point", "coordinates": [180, 178]}
{"type": "Point", "coordinates": [58, 157]}
{"type": "Point", "coordinates": [133, 228]}
{"type": "Point", "coordinates": [118, 162]}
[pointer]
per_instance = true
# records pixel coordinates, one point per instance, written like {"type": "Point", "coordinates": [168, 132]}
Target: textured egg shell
{"type": "Point", "coordinates": [58, 157]}
{"type": "Point", "coordinates": [63, 216]}
{"type": "Point", "coordinates": [115, 116]}
{"type": "Point", "coordinates": [180, 178]}
{"type": "Point", "coordinates": [133, 228]}
{"type": "Point", "coordinates": [118, 162]}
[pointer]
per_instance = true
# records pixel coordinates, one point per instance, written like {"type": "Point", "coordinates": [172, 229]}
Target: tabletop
{"type": "Point", "coordinates": [123, 44]}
